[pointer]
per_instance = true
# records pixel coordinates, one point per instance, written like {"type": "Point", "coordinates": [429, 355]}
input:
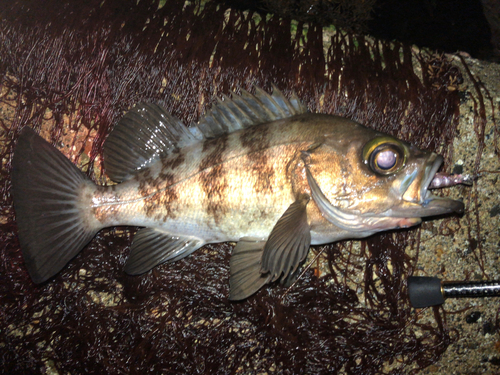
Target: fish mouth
{"type": "Point", "coordinates": [418, 199]}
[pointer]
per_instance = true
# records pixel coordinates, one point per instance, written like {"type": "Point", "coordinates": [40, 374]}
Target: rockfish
{"type": "Point", "coordinates": [258, 170]}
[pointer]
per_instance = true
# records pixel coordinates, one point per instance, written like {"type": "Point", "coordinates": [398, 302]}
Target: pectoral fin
{"type": "Point", "coordinates": [246, 278]}
{"type": "Point", "coordinates": [152, 247]}
{"type": "Point", "coordinates": [289, 241]}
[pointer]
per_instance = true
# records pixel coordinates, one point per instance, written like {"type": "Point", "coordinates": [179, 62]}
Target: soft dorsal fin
{"type": "Point", "coordinates": [246, 110]}
{"type": "Point", "coordinates": [142, 136]}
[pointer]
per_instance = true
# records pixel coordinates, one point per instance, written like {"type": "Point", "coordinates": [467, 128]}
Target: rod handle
{"type": "Point", "coordinates": [425, 291]}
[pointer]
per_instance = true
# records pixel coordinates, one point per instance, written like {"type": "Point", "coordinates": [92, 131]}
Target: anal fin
{"type": "Point", "coordinates": [152, 247]}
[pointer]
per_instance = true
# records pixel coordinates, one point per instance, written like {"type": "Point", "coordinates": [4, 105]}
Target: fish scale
{"type": "Point", "coordinates": [257, 170]}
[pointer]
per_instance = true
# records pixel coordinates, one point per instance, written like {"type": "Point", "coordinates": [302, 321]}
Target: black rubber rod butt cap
{"type": "Point", "coordinates": [425, 291]}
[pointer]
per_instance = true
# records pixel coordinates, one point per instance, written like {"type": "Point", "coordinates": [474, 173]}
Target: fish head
{"type": "Point", "coordinates": [366, 181]}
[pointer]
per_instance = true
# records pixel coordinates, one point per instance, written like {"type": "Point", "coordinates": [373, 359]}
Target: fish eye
{"type": "Point", "coordinates": [385, 159]}
{"type": "Point", "coordinates": [384, 155]}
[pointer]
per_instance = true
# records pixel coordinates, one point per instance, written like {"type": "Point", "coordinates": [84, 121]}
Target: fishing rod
{"type": "Point", "coordinates": [425, 291]}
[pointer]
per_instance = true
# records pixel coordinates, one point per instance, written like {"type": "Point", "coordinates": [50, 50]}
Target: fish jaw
{"type": "Point", "coordinates": [415, 200]}
{"type": "Point", "coordinates": [418, 201]}
{"type": "Point", "coordinates": [358, 224]}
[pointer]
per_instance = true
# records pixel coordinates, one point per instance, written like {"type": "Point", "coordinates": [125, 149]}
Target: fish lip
{"type": "Point", "coordinates": [438, 161]}
{"type": "Point", "coordinates": [427, 204]}
{"type": "Point", "coordinates": [433, 205]}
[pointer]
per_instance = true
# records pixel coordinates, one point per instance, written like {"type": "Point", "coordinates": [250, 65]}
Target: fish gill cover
{"type": "Point", "coordinates": [72, 69]}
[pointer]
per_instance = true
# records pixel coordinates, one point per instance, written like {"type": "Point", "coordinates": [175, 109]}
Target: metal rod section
{"type": "Point", "coordinates": [457, 289]}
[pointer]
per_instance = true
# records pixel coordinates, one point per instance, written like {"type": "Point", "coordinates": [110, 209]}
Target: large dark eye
{"type": "Point", "coordinates": [384, 155]}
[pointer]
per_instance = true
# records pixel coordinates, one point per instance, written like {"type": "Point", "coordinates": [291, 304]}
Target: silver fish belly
{"type": "Point", "coordinates": [257, 170]}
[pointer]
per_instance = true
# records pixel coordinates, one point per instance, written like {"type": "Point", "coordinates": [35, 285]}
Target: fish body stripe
{"type": "Point", "coordinates": [218, 187]}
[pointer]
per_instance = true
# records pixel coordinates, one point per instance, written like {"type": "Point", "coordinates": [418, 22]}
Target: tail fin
{"type": "Point", "coordinates": [46, 187]}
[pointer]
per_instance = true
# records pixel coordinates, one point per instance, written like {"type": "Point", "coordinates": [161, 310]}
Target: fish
{"type": "Point", "coordinates": [258, 169]}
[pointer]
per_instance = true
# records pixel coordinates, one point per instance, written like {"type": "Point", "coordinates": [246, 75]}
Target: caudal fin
{"type": "Point", "coordinates": [46, 187]}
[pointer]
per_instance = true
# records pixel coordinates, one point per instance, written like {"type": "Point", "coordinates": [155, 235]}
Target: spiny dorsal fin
{"type": "Point", "coordinates": [246, 110]}
{"type": "Point", "coordinates": [141, 137]}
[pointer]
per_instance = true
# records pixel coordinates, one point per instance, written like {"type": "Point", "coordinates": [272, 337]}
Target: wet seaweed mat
{"type": "Point", "coordinates": [71, 72]}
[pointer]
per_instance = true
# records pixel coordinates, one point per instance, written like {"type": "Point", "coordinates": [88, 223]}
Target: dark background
{"type": "Point", "coordinates": [445, 25]}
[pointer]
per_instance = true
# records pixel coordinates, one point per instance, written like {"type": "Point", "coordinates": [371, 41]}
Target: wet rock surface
{"type": "Point", "coordinates": [469, 254]}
